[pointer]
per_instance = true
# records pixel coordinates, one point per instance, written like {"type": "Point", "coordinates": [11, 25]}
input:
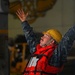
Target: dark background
{"type": "Point", "coordinates": [4, 53]}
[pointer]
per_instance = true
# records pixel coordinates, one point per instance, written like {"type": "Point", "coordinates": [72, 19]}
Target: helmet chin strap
{"type": "Point", "coordinates": [49, 42]}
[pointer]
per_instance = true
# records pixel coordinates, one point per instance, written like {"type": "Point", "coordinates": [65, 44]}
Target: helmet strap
{"type": "Point", "coordinates": [49, 42]}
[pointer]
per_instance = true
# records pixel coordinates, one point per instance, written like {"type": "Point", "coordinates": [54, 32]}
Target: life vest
{"type": "Point", "coordinates": [38, 64]}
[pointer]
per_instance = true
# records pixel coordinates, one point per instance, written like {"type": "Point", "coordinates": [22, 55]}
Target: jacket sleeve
{"type": "Point", "coordinates": [66, 43]}
{"type": "Point", "coordinates": [30, 36]}
{"type": "Point", "coordinates": [60, 53]}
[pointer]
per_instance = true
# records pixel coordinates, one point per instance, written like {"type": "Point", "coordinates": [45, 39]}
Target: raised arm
{"type": "Point", "coordinates": [28, 31]}
{"type": "Point", "coordinates": [61, 52]}
{"type": "Point", "coordinates": [67, 42]}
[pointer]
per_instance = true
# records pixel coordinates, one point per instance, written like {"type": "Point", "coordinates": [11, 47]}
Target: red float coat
{"type": "Point", "coordinates": [38, 64]}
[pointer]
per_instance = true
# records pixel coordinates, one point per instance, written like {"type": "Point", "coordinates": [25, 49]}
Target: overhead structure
{"type": "Point", "coordinates": [35, 8]}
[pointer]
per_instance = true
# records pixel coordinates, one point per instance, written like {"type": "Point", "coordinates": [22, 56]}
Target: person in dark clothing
{"type": "Point", "coordinates": [49, 56]}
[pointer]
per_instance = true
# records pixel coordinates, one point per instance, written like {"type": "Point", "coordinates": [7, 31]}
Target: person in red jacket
{"type": "Point", "coordinates": [48, 56]}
